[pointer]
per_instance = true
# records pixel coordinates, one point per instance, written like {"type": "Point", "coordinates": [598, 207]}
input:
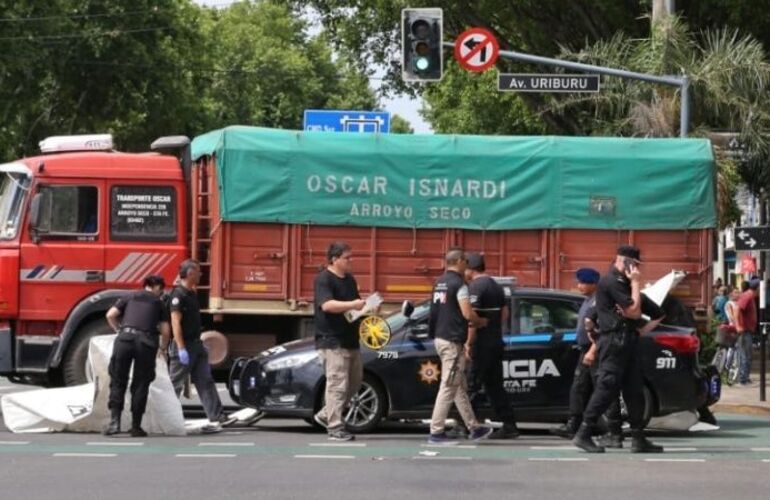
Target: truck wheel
{"type": "Point", "coordinates": [74, 363]}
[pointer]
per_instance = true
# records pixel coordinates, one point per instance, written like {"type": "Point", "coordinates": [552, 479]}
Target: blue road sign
{"type": "Point", "coordinates": [324, 120]}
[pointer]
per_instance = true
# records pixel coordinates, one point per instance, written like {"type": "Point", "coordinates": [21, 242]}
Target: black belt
{"type": "Point", "coordinates": [133, 331]}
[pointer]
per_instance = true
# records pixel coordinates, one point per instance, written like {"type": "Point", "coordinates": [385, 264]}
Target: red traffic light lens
{"type": "Point", "coordinates": [421, 28]}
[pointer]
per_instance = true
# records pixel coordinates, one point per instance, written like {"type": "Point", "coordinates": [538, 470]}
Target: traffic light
{"type": "Point", "coordinates": [421, 37]}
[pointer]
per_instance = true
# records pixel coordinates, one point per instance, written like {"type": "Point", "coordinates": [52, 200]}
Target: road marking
{"type": "Point", "coordinates": [674, 460]}
{"type": "Point", "coordinates": [460, 446]}
{"type": "Point", "coordinates": [205, 455]}
{"type": "Point", "coordinates": [760, 449]}
{"type": "Point", "coordinates": [339, 445]}
{"type": "Point", "coordinates": [86, 455]}
{"type": "Point", "coordinates": [12, 443]}
{"type": "Point", "coordinates": [338, 457]}
{"type": "Point", "coordinates": [553, 447]}
{"type": "Point", "coordinates": [441, 458]}
{"type": "Point", "coordinates": [558, 459]}
{"type": "Point", "coordinates": [225, 444]}
{"type": "Point", "coordinates": [114, 443]}
{"type": "Point", "coordinates": [233, 433]}
{"type": "Point", "coordinates": [766, 460]}
{"type": "Point", "coordinates": [678, 448]}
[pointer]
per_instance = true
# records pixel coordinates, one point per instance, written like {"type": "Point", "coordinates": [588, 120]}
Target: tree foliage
{"type": "Point", "coordinates": [148, 68]}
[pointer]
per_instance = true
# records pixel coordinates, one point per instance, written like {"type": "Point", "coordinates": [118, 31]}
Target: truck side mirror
{"type": "Point", "coordinates": [35, 209]}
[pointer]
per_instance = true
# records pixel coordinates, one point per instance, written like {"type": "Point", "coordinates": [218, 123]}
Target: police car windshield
{"type": "Point", "coordinates": [13, 186]}
{"type": "Point", "coordinates": [398, 320]}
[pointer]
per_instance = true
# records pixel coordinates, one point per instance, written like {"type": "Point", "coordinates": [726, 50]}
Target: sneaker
{"type": "Point", "coordinates": [507, 431]}
{"type": "Point", "coordinates": [341, 435]}
{"type": "Point", "coordinates": [224, 420]}
{"type": "Point", "coordinates": [611, 440]}
{"type": "Point", "coordinates": [480, 433]}
{"type": "Point", "coordinates": [321, 420]}
{"type": "Point", "coordinates": [211, 428]}
{"type": "Point", "coordinates": [442, 439]}
{"type": "Point", "coordinates": [457, 432]}
{"type": "Point", "coordinates": [138, 432]}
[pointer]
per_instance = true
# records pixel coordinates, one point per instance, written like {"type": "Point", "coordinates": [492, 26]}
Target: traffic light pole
{"type": "Point", "coordinates": [682, 82]}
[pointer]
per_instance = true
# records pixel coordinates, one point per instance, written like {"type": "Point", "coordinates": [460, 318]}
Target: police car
{"type": "Point", "coordinates": [401, 380]}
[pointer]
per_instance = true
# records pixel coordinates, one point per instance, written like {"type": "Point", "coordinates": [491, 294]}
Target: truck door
{"type": "Point", "coordinates": [144, 234]}
{"type": "Point", "coordinates": [62, 261]}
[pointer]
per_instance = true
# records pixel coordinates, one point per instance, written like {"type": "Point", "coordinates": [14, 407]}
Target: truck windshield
{"type": "Point", "coordinates": [13, 187]}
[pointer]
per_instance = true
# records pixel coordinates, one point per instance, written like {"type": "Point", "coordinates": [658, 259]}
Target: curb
{"type": "Point", "coordinates": [744, 409]}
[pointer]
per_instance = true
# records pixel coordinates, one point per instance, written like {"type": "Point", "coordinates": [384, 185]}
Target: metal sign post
{"type": "Point", "coordinates": [762, 339]}
{"type": "Point", "coordinates": [683, 82]}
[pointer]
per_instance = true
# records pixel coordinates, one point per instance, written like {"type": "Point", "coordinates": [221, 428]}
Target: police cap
{"type": "Point", "coordinates": [476, 261]}
{"type": "Point", "coordinates": [631, 252]}
{"type": "Point", "coordinates": [587, 275]}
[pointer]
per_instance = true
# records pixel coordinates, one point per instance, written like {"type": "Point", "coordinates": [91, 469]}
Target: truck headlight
{"type": "Point", "coordinates": [291, 361]}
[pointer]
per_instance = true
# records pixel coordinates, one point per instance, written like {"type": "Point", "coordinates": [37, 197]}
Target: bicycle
{"type": "Point", "coordinates": [727, 357]}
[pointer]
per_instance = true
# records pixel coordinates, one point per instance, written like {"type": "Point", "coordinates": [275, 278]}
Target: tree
{"type": "Point", "coordinates": [399, 125]}
{"type": "Point", "coordinates": [729, 77]}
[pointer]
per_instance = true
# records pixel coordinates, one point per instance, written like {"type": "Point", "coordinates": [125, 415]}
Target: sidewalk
{"type": "Point", "coordinates": [744, 398]}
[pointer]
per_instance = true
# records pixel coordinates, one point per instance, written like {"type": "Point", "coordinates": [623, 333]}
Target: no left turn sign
{"type": "Point", "coordinates": [476, 49]}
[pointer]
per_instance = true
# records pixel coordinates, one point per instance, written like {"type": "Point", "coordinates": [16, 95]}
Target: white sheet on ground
{"type": "Point", "coordinates": [84, 408]}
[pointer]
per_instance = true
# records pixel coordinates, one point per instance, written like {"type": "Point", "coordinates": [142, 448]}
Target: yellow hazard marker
{"type": "Point", "coordinates": [374, 332]}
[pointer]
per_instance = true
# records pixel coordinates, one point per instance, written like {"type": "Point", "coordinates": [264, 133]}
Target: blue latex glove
{"type": "Point", "coordinates": [184, 357]}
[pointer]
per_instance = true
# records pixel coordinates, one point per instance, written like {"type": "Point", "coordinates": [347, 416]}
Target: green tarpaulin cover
{"type": "Point", "coordinates": [461, 181]}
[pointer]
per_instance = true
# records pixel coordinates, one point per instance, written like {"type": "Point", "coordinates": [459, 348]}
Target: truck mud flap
{"type": "Point", "coordinates": [234, 382]}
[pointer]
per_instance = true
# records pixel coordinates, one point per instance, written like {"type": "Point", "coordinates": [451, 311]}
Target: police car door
{"type": "Point", "coordinates": [540, 358]}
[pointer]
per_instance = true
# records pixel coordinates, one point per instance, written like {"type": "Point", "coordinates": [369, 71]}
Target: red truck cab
{"type": "Point", "coordinates": [79, 225]}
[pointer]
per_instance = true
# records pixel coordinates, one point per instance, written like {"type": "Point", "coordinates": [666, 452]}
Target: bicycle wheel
{"type": "Point", "coordinates": [719, 359]}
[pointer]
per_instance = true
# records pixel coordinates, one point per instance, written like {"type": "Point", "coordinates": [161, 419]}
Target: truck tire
{"type": "Point", "coordinates": [74, 362]}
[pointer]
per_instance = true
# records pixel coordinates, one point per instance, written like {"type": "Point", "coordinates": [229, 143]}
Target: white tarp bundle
{"type": "Point", "coordinates": [84, 408]}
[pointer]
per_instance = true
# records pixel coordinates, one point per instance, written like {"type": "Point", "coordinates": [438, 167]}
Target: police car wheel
{"type": "Point", "coordinates": [649, 407]}
{"type": "Point", "coordinates": [367, 408]}
{"type": "Point", "coordinates": [74, 362]}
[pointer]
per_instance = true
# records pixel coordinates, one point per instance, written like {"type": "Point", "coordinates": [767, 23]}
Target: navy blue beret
{"type": "Point", "coordinates": [587, 275]}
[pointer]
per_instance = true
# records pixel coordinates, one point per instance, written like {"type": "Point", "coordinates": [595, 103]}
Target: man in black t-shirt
{"type": "Point", "coordinates": [486, 344]}
{"type": "Point", "coordinates": [336, 338]}
{"type": "Point", "coordinates": [187, 354]}
{"type": "Point", "coordinates": [137, 317]}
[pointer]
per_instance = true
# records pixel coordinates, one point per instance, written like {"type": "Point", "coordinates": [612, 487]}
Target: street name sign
{"type": "Point", "coordinates": [521, 82]}
{"type": "Point", "coordinates": [327, 120]}
{"type": "Point", "coordinates": [476, 49]}
{"type": "Point", "coordinates": [752, 238]}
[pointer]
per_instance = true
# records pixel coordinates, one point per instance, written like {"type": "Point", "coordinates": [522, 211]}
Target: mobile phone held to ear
{"type": "Point", "coordinates": [628, 264]}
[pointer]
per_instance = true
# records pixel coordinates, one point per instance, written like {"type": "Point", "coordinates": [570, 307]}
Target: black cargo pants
{"type": "Point", "coordinates": [486, 372]}
{"type": "Point", "coordinates": [583, 384]}
{"type": "Point", "coordinates": [140, 349]}
{"type": "Point", "coordinates": [619, 371]}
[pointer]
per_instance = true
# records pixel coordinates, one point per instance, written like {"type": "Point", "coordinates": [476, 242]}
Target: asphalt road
{"type": "Point", "coordinates": [289, 459]}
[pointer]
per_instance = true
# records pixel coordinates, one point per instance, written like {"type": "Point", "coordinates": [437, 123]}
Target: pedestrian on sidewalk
{"type": "Point", "coordinates": [450, 315]}
{"type": "Point", "coordinates": [188, 356]}
{"type": "Point", "coordinates": [719, 303]}
{"type": "Point", "coordinates": [486, 344]}
{"type": "Point", "coordinates": [138, 318]}
{"type": "Point", "coordinates": [746, 325]}
{"type": "Point", "coordinates": [336, 338]}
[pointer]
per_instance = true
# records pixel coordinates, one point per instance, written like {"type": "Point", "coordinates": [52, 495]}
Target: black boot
{"type": "Point", "coordinates": [568, 430]}
{"type": "Point", "coordinates": [611, 440]}
{"type": "Point", "coordinates": [114, 426]}
{"type": "Point", "coordinates": [509, 430]}
{"type": "Point", "coordinates": [584, 441]}
{"type": "Point", "coordinates": [640, 444]}
{"type": "Point", "coordinates": [136, 427]}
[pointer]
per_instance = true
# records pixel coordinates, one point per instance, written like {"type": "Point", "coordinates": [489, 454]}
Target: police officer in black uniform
{"type": "Point", "coordinates": [582, 382]}
{"type": "Point", "coordinates": [618, 309]}
{"type": "Point", "coordinates": [489, 301]}
{"type": "Point", "coordinates": [142, 315]}
{"type": "Point", "coordinates": [187, 355]}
